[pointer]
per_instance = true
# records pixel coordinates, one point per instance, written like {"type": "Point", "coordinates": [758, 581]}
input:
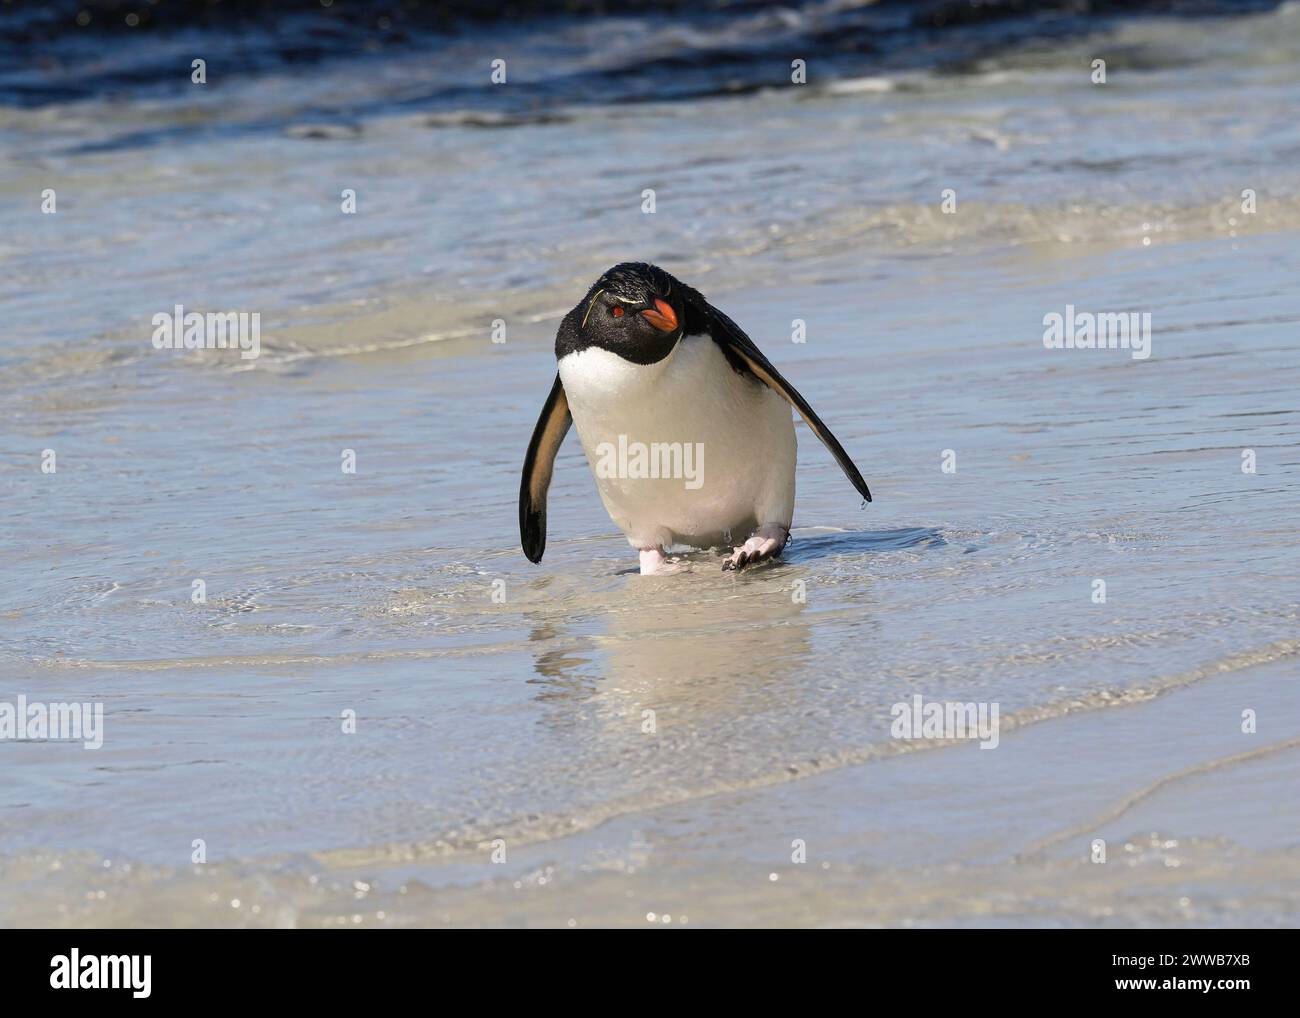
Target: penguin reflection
{"type": "Point", "coordinates": [686, 650]}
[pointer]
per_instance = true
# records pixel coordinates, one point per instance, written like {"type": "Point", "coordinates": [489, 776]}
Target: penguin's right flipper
{"type": "Point", "coordinates": [551, 428]}
{"type": "Point", "coordinates": [741, 352]}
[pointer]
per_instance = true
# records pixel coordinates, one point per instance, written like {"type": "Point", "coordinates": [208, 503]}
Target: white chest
{"type": "Point", "coordinates": [683, 450]}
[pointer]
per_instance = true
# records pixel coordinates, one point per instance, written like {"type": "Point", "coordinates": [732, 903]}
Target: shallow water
{"type": "Point", "coordinates": [522, 721]}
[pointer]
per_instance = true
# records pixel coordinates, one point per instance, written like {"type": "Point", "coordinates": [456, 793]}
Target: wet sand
{"type": "Point", "coordinates": [486, 727]}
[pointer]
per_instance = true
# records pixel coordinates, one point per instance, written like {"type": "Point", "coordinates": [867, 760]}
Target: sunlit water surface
{"type": "Point", "coordinates": [520, 719]}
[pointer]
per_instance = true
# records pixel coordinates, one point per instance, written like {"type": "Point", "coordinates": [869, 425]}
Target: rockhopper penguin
{"type": "Point", "coordinates": [685, 423]}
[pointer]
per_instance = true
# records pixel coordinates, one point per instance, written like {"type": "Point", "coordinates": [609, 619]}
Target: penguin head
{"type": "Point", "coordinates": [635, 310]}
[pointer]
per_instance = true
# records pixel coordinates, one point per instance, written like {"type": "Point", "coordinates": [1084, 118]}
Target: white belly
{"type": "Point", "coordinates": [685, 451]}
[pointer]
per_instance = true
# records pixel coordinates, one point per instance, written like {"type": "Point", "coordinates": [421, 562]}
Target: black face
{"type": "Point", "coordinates": [635, 310]}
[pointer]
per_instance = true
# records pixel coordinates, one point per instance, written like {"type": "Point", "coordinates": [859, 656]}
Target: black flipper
{"type": "Point", "coordinates": [740, 348]}
{"type": "Point", "coordinates": [551, 428]}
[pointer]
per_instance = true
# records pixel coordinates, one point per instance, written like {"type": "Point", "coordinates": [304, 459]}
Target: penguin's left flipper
{"type": "Point", "coordinates": [741, 351]}
{"type": "Point", "coordinates": [551, 428]}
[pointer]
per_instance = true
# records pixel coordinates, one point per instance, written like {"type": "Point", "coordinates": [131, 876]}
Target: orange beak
{"type": "Point", "coordinates": [663, 318]}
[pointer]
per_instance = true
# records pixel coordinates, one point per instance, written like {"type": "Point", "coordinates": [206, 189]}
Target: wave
{"type": "Point", "coordinates": [542, 828]}
{"type": "Point", "coordinates": [69, 50]}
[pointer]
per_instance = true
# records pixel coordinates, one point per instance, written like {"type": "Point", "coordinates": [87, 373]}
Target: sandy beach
{"type": "Point", "coordinates": [380, 714]}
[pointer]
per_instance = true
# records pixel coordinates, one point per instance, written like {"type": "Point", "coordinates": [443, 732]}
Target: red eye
{"type": "Point", "coordinates": [617, 311]}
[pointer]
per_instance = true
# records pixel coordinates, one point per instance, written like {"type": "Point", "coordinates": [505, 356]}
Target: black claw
{"type": "Point", "coordinates": [749, 558]}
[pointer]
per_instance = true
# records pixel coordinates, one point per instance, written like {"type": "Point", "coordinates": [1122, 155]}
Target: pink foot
{"type": "Point", "coordinates": [765, 543]}
{"type": "Point", "coordinates": [653, 560]}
